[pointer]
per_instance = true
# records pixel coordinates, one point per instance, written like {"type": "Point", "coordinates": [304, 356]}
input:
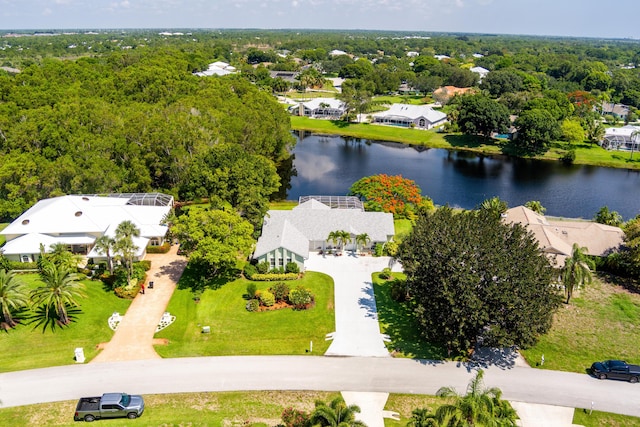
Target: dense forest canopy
{"type": "Point", "coordinates": [121, 111]}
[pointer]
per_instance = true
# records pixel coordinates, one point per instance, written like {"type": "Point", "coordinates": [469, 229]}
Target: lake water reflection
{"type": "Point", "coordinates": [328, 165]}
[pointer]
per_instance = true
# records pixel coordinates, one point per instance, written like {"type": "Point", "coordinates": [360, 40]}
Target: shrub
{"type": "Point", "coordinates": [253, 305]}
{"type": "Point", "coordinates": [569, 157]}
{"type": "Point", "coordinates": [129, 291]}
{"type": "Point", "coordinates": [262, 267]}
{"type": "Point", "coordinates": [295, 418]}
{"type": "Point", "coordinates": [108, 279]}
{"type": "Point", "coordinates": [251, 290]}
{"type": "Point", "coordinates": [391, 249]}
{"type": "Point", "coordinates": [301, 297]}
{"type": "Point", "coordinates": [280, 291]}
{"type": "Point", "coordinates": [267, 299]}
{"type": "Point", "coordinates": [378, 250]}
{"type": "Point", "coordinates": [162, 249]}
{"type": "Point", "coordinates": [277, 270]}
{"type": "Point", "coordinates": [272, 277]}
{"type": "Point", "coordinates": [249, 270]}
{"type": "Point", "coordinates": [145, 263]}
{"type": "Point", "coordinates": [386, 273]}
{"type": "Point", "coordinates": [292, 267]}
{"type": "Point", "coordinates": [17, 265]}
{"type": "Point", "coordinates": [398, 290]}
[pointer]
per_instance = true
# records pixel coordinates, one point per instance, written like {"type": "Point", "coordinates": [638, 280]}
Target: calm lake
{"type": "Point", "coordinates": [328, 165]}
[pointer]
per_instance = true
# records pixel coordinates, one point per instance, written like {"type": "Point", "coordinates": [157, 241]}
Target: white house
{"type": "Point", "coordinates": [337, 52]}
{"type": "Point", "coordinates": [217, 68]}
{"type": "Point", "coordinates": [419, 116]}
{"type": "Point", "coordinates": [482, 72]}
{"type": "Point", "coordinates": [289, 236]}
{"type": "Point", "coordinates": [78, 220]}
{"type": "Point", "coordinates": [330, 108]}
{"type": "Point", "coordinates": [625, 138]}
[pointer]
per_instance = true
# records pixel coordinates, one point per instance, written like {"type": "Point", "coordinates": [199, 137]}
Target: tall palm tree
{"type": "Point", "coordinates": [344, 237]}
{"type": "Point", "coordinates": [362, 240]}
{"type": "Point", "coordinates": [106, 245]}
{"type": "Point", "coordinates": [535, 206]}
{"type": "Point", "coordinates": [576, 271]}
{"type": "Point", "coordinates": [125, 232]}
{"type": "Point", "coordinates": [61, 288]}
{"type": "Point", "coordinates": [336, 414]}
{"type": "Point", "coordinates": [13, 295]}
{"type": "Point", "coordinates": [333, 237]}
{"type": "Point", "coordinates": [479, 407]}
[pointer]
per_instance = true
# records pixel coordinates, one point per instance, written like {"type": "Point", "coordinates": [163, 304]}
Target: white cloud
{"type": "Point", "coordinates": [47, 12]}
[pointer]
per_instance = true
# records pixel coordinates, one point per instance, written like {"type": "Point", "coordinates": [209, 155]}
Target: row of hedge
{"type": "Point", "coordinates": [162, 249]}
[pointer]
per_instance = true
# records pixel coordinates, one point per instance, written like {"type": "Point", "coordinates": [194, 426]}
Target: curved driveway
{"type": "Point", "coordinates": [382, 374]}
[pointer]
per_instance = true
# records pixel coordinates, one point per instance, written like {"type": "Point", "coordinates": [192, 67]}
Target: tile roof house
{"type": "Point", "coordinates": [289, 236]}
{"type": "Point", "coordinates": [419, 116]}
{"type": "Point", "coordinates": [556, 237]}
{"type": "Point", "coordinates": [78, 220]}
{"type": "Point", "coordinates": [319, 108]}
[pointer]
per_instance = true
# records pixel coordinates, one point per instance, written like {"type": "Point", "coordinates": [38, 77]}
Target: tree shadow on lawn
{"type": "Point", "coordinates": [403, 329]}
{"type": "Point", "coordinates": [195, 278]}
{"type": "Point", "coordinates": [340, 123]}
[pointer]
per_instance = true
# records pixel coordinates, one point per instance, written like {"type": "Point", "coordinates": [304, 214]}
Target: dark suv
{"type": "Point", "coordinates": [616, 370]}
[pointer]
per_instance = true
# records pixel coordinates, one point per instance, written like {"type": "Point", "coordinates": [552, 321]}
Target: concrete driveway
{"type": "Point", "coordinates": [357, 331]}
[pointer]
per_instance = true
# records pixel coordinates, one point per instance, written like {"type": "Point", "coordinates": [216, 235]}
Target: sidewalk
{"type": "Point", "coordinates": [133, 340]}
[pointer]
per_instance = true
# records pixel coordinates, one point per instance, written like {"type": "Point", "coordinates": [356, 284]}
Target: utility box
{"type": "Point", "coordinates": [79, 355]}
{"type": "Point", "coordinates": [206, 329]}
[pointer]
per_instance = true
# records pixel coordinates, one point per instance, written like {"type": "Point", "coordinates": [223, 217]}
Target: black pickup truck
{"type": "Point", "coordinates": [616, 370]}
{"type": "Point", "coordinates": [109, 405]}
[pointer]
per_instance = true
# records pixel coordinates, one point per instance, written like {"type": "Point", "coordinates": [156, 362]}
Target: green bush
{"type": "Point", "coordinates": [398, 290]}
{"type": "Point", "coordinates": [295, 418]}
{"type": "Point", "coordinates": [163, 249]}
{"type": "Point", "coordinates": [272, 277]}
{"type": "Point", "coordinates": [569, 157]}
{"type": "Point", "coordinates": [253, 305]}
{"type": "Point", "coordinates": [17, 265]}
{"type": "Point", "coordinates": [386, 273]}
{"type": "Point", "coordinates": [292, 267]}
{"type": "Point", "coordinates": [280, 291]}
{"type": "Point", "coordinates": [263, 267]}
{"type": "Point", "coordinates": [145, 263]}
{"type": "Point", "coordinates": [251, 290]}
{"type": "Point", "coordinates": [267, 299]}
{"type": "Point", "coordinates": [129, 291]}
{"type": "Point", "coordinates": [378, 250]}
{"type": "Point", "coordinates": [391, 249]}
{"type": "Point", "coordinates": [249, 271]}
{"type": "Point", "coordinates": [301, 297]}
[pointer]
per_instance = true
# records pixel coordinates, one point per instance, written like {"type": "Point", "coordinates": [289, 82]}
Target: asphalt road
{"type": "Point", "coordinates": [311, 373]}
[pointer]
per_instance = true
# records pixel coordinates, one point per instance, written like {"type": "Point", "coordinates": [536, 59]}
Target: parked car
{"type": "Point", "coordinates": [616, 370]}
{"type": "Point", "coordinates": [109, 405]}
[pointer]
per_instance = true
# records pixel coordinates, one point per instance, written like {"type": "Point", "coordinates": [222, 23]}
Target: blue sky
{"type": "Point", "coordinates": [588, 18]}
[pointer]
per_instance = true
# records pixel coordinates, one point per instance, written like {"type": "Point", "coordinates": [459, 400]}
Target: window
{"type": "Point", "coordinates": [154, 241]}
{"type": "Point", "coordinates": [272, 262]}
{"type": "Point", "coordinates": [26, 258]}
{"type": "Point", "coordinates": [288, 260]}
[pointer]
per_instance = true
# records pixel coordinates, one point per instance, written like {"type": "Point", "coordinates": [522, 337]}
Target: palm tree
{"type": "Point", "coordinates": [333, 237]}
{"type": "Point", "coordinates": [61, 288]}
{"type": "Point", "coordinates": [576, 270]}
{"type": "Point", "coordinates": [344, 237]}
{"type": "Point", "coordinates": [494, 205]}
{"type": "Point", "coordinates": [535, 206]}
{"type": "Point", "coordinates": [362, 240]}
{"type": "Point", "coordinates": [13, 295]}
{"type": "Point", "coordinates": [106, 245]}
{"type": "Point", "coordinates": [125, 232]}
{"type": "Point", "coordinates": [336, 414]}
{"type": "Point", "coordinates": [479, 407]}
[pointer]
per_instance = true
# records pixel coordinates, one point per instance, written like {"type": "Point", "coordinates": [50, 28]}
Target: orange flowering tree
{"type": "Point", "coordinates": [388, 193]}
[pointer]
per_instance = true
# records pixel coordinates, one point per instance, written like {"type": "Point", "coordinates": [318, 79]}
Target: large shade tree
{"type": "Point", "coordinates": [388, 193]}
{"type": "Point", "coordinates": [13, 296]}
{"type": "Point", "coordinates": [473, 276]}
{"type": "Point", "coordinates": [481, 115]}
{"type": "Point", "coordinates": [214, 239]}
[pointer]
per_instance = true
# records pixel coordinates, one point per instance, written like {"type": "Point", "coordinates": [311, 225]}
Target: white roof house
{"type": "Point", "coordinates": [289, 236]}
{"type": "Point", "coordinates": [78, 220]}
{"type": "Point", "coordinates": [319, 108]}
{"type": "Point", "coordinates": [624, 138]}
{"type": "Point", "coordinates": [217, 68]}
{"type": "Point", "coordinates": [482, 72]}
{"type": "Point", "coordinates": [419, 116]}
{"type": "Point", "coordinates": [337, 52]}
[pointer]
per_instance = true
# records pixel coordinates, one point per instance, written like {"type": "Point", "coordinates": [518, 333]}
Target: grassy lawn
{"type": "Point", "coordinates": [586, 154]}
{"type": "Point", "coordinates": [283, 205]}
{"type": "Point", "coordinates": [230, 409]}
{"type": "Point", "coordinates": [396, 320]}
{"type": "Point", "coordinates": [601, 322]}
{"type": "Point", "coordinates": [402, 228]}
{"type": "Point", "coordinates": [235, 331]}
{"type": "Point", "coordinates": [29, 347]}
{"type": "Point", "coordinates": [599, 419]}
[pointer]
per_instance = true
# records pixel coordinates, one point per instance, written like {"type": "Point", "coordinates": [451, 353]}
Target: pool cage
{"type": "Point", "coordinates": [336, 202]}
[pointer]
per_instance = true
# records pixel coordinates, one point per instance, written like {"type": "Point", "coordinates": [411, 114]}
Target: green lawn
{"type": "Point", "coordinates": [396, 320]}
{"type": "Point", "coordinates": [28, 347]}
{"type": "Point", "coordinates": [283, 205]}
{"type": "Point", "coordinates": [603, 419]}
{"type": "Point", "coordinates": [586, 154]}
{"type": "Point", "coordinates": [235, 331]}
{"type": "Point", "coordinates": [600, 323]}
{"type": "Point", "coordinates": [263, 408]}
{"type": "Point", "coordinates": [402, 228]}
